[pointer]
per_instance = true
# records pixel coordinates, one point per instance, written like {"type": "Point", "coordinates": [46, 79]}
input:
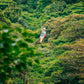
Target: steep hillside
{"type": "Point", "coordinates": [60, 57]}
{"type": "Point", "coordinates": [63, 52]}
{"type": "Point", "coordinates": [55, 9]}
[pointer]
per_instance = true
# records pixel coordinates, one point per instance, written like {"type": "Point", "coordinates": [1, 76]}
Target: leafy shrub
{"type": "Point", "coordinates": [42, 3]}
{"type": "Point", "coordinates": [32, 21]}
{"type": "Point", "coordinates": [14, 50]}
{"type": "Point", "coordinates": [58, 26]}
{"type": "Point", "coordinates": [72, 1]}
{"type": "Point", "coordinates": [75, 31]}
{"type": "Point", "coordinates": [75, 8]}
{"type": "Point", "coordinates": [23, 22]}
{"type": "Point", "coordinates": [24, 7]}
{"type": "Point", "coordinates": [72, 62]}
{"type": "Point", "coordinates": [55, 7]}
{"type": "Point", "coordinates": [4, 19]}
{"type": "Point", "coordinates": [12, 12]}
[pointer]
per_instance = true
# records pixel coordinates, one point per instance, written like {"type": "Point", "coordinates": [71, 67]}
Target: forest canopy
{"type": "Point", "coordinates": [60, 57]}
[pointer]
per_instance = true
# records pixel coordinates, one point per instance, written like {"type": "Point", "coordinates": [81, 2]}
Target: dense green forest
{"type": "Point", "coordinates": [60, 57]}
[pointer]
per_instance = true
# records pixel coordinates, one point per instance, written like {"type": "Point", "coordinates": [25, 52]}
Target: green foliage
{"type": "Point", "coordinates": [61, 33]}
{"type": "Point", "coordinates": [74, 72]}
{"type": "Point", "coordinates": [31, 20]}
{"type": "Point", "coordinates": [14, 51]}
{"type": "Point", "coordinates": [18, 1]}
{"type": "Point", "coordinates": [6, 3]}
{"type": "Point", "coordinates": [72, 1]}
{"type": "Point", "coordinates": [24, 7]}
{"type": "Point", "coordinates": [61, 61]}
{"type": "Point", "coordinates": [23, 22]}
{"type": "Point", "coordinates": [55, 7]}
{"type": "Point", "coordinates": [10, 10]}
{"type": "Point", "coordinates": [12, 13]}
{"type": "Point", "coordinates": [62, 29]}
{"type": "Point", "coordinates": [4, 19]}
{"type": "Point", "coordinates": [42, 4]}
{"type": "Point", "coordinates": [75, 8]}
